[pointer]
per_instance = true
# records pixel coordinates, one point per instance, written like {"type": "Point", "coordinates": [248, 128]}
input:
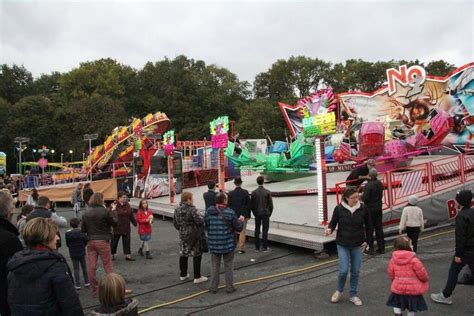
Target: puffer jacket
{"type": "Point", "coordinates": [40, 283]}
{"type": "Point", "coordinates": [408, 274]}
{"type": "Point", "coordinates": [352, 227]}
{"type": "Point", "coordinates": [144, 227]}
{"type": "Point", "coordinates": [221, 228]}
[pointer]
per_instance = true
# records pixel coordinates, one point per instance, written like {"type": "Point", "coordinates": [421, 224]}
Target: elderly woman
{"type": "Point", "coordinates": [352, 220]}
{"type": "Point", "coordinates": [97, 223]}
{"type": "Point", "coordinates": [192, 238]}
{"type": "Point", "coordinates": [40, 282]}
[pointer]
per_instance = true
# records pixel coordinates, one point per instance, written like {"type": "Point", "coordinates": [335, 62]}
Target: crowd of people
{"type": "Point", "coordinates": [30, 262]}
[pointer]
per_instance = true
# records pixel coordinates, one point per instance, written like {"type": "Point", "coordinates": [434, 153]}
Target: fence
{"type": "Point", "coordinates": [422, 179]}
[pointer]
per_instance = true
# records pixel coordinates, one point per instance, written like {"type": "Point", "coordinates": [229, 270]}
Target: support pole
{"type": "Point", "coordinates": [321, 180]}
{"type": "Point", "coordinates": [221, 170]}
{"type": "Point", "coordinates": [171, 178]}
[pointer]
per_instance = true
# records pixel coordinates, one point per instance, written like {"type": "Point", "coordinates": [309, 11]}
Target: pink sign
{"type": "Point", "coordinates": [169, 149]}
{"type": "Point", "coordinates": [219, 141]}
{"type": "Point", "coordinates": [43, 163]}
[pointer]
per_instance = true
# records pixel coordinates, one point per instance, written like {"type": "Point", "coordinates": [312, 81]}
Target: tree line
{"type": "Point", "coordinates": [56, 109]}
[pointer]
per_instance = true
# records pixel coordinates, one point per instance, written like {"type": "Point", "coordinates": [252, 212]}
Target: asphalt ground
{"type": "Point", "coordinates": [284, 281]}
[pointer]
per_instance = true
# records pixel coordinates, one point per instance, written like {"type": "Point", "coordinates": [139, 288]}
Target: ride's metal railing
{"type": "Point", "coordinates": [422, 179]}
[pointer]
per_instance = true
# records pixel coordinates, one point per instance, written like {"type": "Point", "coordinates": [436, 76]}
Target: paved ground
{"type": "Point", "coordinates": [307, 293]}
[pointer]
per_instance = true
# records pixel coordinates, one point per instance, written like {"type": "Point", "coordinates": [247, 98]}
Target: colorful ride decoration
{"type": "Point", "coordinates": [371, 140]}
{"type": "Point", "coordinates": [168, 142]}
{"type": "Point", "coordinates": [3, 163]}
{"type": "Point", "coordinates": [319, 125]}
{"type": "Point", "coordinates": [124, 140]}
{"type": "Point", "coordinates": [219, 129]}
{"type": "Point", "coordinates": [320, 102]}
{"type": "Point", "coordinates": [432, 110]}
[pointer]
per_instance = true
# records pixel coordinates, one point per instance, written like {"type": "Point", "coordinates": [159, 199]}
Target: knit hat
{"type": "Point", "coordinates": [413, 200]}
{"type": "Point", "coordinates": [464, 198]}
{"type": "Point", "coordinates": [373, 173]}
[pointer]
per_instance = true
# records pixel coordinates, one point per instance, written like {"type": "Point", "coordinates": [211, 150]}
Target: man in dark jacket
{"type": "Point", "coordinates": [361, 173]}
{"type": "Point", "coordinates": [464, 252]}
{"type": "Point", "coordinates": [262, 208]}
{"type": "Point", "coordinates": [9, 244]}
{"type": "Point", "coordinates": [372, 198]}
{"type": "Point", "coordinates": [239, 201]}
{"type": "Point", "coordinates": [210, 195]}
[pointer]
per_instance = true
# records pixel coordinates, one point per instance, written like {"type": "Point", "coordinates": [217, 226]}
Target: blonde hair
{"type": "Point", "coordinates": [96, 199]}
{"type": "Point", "coordinates": [39, 231]}
{"type": "Point", "coordinates": [185, 196]}
{"type": "Point", "coordinates": [111, 290]}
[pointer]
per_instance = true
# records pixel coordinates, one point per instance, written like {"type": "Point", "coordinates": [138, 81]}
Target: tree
{"type": "Point", "coordinates": [103, 77]}
{"type": "Point", "coordinates": [439, 68]}
{"type": "Point", "coordinates": [15, 82]}
{"type": "Point", "coordinates": [261, 114]}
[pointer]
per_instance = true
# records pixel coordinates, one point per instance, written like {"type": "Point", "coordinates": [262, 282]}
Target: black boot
{"type": "Point", "coordinates": [148, 256]}
{"type": "Point", "coordinates": [140, 252]}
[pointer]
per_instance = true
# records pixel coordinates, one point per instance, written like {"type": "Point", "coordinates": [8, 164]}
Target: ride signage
{"type": "Point", "coordinates": [219, 128]}
{"type": "Point", "coordinates": [168, 141]}
{"type": "Point", "coordinates": [319, 125]}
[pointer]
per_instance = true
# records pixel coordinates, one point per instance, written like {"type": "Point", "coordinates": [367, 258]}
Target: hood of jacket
{"type": "Point", "coordinates": [402, 257]}
{"type": "Point", "coordinates": [32, 264]}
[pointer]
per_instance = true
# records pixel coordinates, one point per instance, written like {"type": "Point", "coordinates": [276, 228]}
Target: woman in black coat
{"type": "Point", "coordinates": [352, 220]}
{"type": "Point", "coordinates": [39, 281]}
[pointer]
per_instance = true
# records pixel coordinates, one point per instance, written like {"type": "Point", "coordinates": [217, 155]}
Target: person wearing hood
{"type": "Point", "coordinates": [39, 279]}
{"type": "Point", "coordinates": [464, 251]}
{"type": "Point", "coordinates": [409, 279]}
{"type": "Point", "coordinates": [222, 224]}
{"type": "Point", "coordinates": [353, 222]}
{"type": "Point", "coordinates": [9, 244]}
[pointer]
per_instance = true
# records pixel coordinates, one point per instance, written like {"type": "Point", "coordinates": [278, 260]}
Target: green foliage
{"type": "Point", "coordinates": [15, 82]}
{"type": "Point", "coordinates": [57, 109]}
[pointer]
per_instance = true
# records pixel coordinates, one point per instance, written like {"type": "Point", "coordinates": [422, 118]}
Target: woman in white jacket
{"type": "Point", "coordinates": [412, 220]}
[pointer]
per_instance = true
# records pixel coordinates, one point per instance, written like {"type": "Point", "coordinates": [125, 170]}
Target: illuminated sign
{"type": "Point", "coordinates": [168, 142]}
{"type": "Point", "coordinates": [219, 128]}
{"type": "Point", "coordinates": [319, 125]}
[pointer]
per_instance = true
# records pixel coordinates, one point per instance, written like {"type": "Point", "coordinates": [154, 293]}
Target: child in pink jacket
{"type": "Point", "coordinates": [409, 279]}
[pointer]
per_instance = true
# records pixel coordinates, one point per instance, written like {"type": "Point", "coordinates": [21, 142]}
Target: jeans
{"type": "Point", "coordinates": [376, 223]}
{"type": "Point", "coordinates": [265, 222]}
{"type": "Point", "coordinates": [125, 244]}
{"type": "Point", "coordinates": [413, 233]}
{"type": "Point", "coordinates": [82, 262]}
{"type": "Point", "coordinates": [95, 249]}
{"type": "Point", "coordinates": [228, 268]}
{"type": "Point", "coordinates": [453, 274]}
{"type": "Point", "coordinates": [183, 266]}
{"type": "Point", "coordinates": [242, 236]}
{"type": "Point", "coordinates": [348, 256]}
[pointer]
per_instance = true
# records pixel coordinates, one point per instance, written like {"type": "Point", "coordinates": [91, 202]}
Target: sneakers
{"type": "Point", "coordinates": [241, 252]}
{"type": "Point", "coordinates": [77, 288]}
{"type": "Point", "coordinates": [440, 298]}
{"type": "Point", "coordinates": [336, 297]}
{"type": "Point", "coordinates": [356, 301]}
{"type": "Point", "coordinates": [140, 251]}
{"type": "Point", "coordinates": [266, 250]}
{"type": "Point", "coordinates": [200, 280]}
{"type": "Point", "coordinates": [184, 278]}
{"type": "Point", "coordinates": [87, 285]}
{"type": "Point", "coordinates": [148, 255]}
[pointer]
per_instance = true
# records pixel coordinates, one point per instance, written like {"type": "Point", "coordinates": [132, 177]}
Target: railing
{"type": "Point", "coordinates": [422, 179]}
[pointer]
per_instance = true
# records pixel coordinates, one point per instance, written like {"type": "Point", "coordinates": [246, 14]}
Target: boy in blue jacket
{"type": "Point", "coordinates": [76, 241]}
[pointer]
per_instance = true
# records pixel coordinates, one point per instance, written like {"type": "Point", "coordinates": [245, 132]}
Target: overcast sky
{"type": "Point", "coordinates": [245, 37]}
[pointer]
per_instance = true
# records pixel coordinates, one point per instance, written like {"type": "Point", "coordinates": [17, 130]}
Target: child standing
{"type": "Point", "coordinates": [144, 220]}
{"type": "Point", "coordinates": [409, 279]}
{"type": "Point", "coordinates": [76, 241]}
{"type": "Point", "coordinates": [412, 219]}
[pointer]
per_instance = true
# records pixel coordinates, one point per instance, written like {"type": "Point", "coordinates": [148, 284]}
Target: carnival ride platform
{"type": "Point", "coordinates": [295, 218]}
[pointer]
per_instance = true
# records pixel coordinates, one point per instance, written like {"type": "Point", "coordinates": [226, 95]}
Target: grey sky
{"type": "Point", "coordinates": [244, 36]}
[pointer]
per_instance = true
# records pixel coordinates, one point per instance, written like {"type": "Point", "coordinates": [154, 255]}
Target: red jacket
{"type": "Point", "coordinates": [408, 274]}
{"type": "Point", "coordinates": [144, 227]}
